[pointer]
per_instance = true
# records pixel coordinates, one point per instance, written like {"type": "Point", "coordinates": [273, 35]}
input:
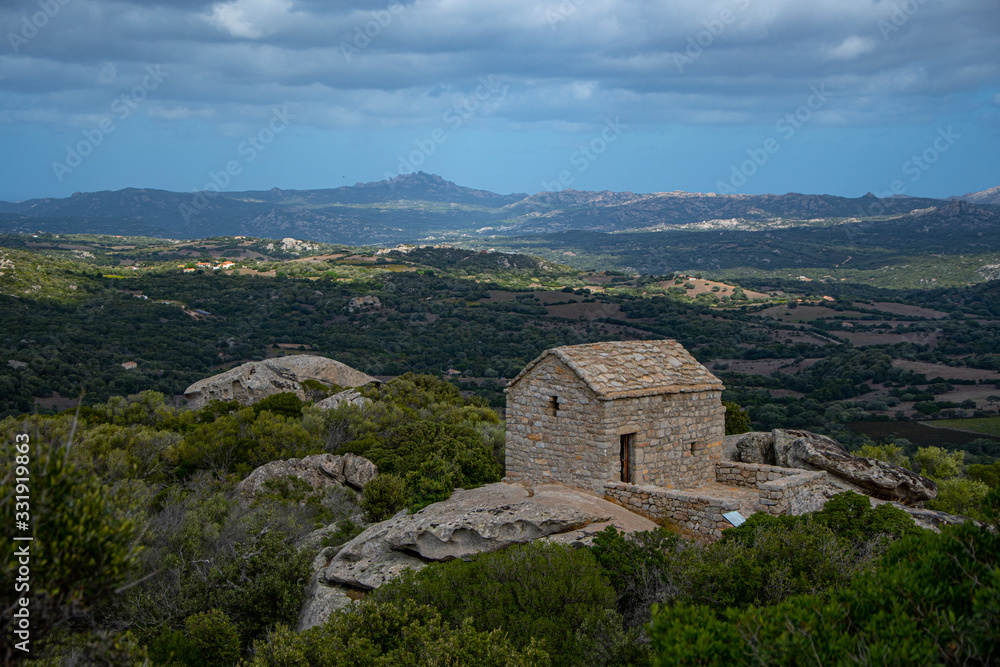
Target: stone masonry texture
{"type": "Point", "coordinates": [567, 412]}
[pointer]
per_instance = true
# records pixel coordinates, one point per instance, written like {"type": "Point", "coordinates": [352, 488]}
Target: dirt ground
{"type": "Point", "coordinates": [873, 338]}
{"type": "Point", "coordinates": [903, 309]}
{"type": "Point", "coordinates": [947, 372]}
{"type": "Point", "coordinates": [701, 286]}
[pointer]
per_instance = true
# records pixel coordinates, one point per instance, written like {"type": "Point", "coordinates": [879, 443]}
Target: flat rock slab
{"type": "Point", "coordinates": [474, 521]}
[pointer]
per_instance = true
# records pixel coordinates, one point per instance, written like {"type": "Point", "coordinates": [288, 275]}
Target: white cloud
{"type": "Point", "coordinates": [248, 19]}
{"type": "Point", "coordinates": [852, 47]}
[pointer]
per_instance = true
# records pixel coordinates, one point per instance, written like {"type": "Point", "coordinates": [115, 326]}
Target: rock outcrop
{"type": "Point", "coordinates": [321, 600]}
{"type": "Point", "coordinates": [485, 519]}
{"type": "Point", "coordinates": [932, 519]}
{"type": "Point", "coordinates": [363, 303]}
{"type": "Point", "coordinates": [320, 471]}
{"type": "Point", "coordinates": [474, 521]}
{"type": "Point", "coordinates": [348, 397]}
{"type": "Point", "coordinates": [810, 451]}
{"type": "Point", "coordinates": [256, 380]}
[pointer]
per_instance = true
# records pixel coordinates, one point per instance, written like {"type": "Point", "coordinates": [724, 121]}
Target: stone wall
{"type": "Point", "coordinates": [562, 442]}
{"type": "Point", "coordinates": [558, 429]}
{"type": "Point", "coordinates": [691, 512]}
{"type": "Point", "coordinates": [678, 437]}
{"type": "Point", "coordinates": [780, 490]}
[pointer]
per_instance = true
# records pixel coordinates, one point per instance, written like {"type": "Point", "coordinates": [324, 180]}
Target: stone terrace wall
{"type": "Point", "coordinates": [781, 490]}
{"type": "Point", "coordinates": [699, 514]}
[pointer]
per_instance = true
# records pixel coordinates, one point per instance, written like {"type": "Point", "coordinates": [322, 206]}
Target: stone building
{"type": "Point", "coordinates": [638, 412]}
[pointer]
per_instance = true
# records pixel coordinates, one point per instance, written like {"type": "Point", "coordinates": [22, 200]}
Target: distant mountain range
{"type": "Point", "coordinates": [421, 206]}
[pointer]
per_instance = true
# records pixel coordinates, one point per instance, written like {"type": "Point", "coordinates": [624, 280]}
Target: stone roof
{"type": "Point", "coordinates": [625, 369]}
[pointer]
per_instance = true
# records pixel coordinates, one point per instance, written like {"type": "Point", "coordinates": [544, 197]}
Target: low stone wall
{"type": "Point", "coordinates": [781, 490]}
{"type": "Point", "coordinates": [701, 515]}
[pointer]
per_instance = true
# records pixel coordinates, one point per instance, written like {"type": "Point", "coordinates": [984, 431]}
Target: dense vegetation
{"type": "Point", "coordinates": [150, 552]}
{"type": "Point", "coordinates": [145, 495]}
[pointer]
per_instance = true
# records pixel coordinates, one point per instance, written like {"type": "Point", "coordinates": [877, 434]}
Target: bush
{"type": "Point", "coordinates": [209, 638]}
{"type": "Point", "coordinates": [850, 516]}
{"type": "Point", "coordinates": [987, 474]}
{"type": "Point", "coordinates": [383, 497]}
{"type": "Point", "coordinates": [960, 495]}
{"type": "Point", "coordinates": [83, 548]}
{"type": "Point", "coordinates": [933, 601]}
{"type": "Point", "coordinates": [737, 418]}
{"type": "Point", "coordinates": [938, 463]}
{"type": "Point", "coordinates": [889, 453]}
{"type": "Point", "coordinates": [432, 458]}
{"type": "Point", "coordinates": [764, 561]}
{"type": "Point", "coordinates": [639, 567]}
{"type": "Point", "coordinates": [285, 404]}
{"type": "Point", "coordinates": [538, 591]}
{"type": "Point", "coordinates": [386, 635]}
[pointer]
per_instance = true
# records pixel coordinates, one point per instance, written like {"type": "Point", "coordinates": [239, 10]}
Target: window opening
{"type": "Point", "coordinates": [554, 405]}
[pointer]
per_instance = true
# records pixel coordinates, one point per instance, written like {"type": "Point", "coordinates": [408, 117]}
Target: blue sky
{"type": "Point", "coordinates": [753, 96]}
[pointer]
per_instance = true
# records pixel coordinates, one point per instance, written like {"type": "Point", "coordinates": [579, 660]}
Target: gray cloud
{"type": "Point", "coordinates": [565, 62]}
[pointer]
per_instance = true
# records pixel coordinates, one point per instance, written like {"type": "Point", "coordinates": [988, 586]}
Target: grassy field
{"type": "Point", "coordinates": [987, 425]}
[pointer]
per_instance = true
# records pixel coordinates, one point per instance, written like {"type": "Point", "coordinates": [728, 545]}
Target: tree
{"type": "Point", "coordinates": [890, 453]}
{"type": "Point", "coordinates": [737, 418]}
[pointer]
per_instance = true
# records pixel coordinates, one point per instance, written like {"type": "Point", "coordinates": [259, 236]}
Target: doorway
{"type": "Point", "coordinates": [626, 454]}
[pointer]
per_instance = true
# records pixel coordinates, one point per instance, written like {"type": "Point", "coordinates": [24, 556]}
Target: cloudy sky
{"type": "Point", "coordinates": [821, 96]}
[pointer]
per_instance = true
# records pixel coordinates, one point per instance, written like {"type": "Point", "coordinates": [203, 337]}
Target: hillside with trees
{"type": "Point", "coordinates": [171, 564]}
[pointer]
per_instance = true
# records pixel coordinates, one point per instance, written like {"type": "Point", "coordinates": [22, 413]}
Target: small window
{"type": "Point", "coordinates": [554, 405]}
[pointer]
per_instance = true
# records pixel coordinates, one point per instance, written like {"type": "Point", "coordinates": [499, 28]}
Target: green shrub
{"type": "Point", "coordinates": [737, 418]}
{"type": "Point", "coordinates": [938, 463]}
{"type": "Point", "coordinates": [851, 516]}
{"type": "Point", "coordinates": [639, 567]}
{"type": "Point", "coordinates": [242, 441]}
{"type": "Point", "coordinates": [432, 458]}
{"type": "Point", "coordinates": [987, 474]}
{"type": "Point", "coordinates": [209, 639]}
{"type": "Point", "coordinates": [538, 591]}
{"type": "Point", "coordinates": [889, 453]}
{"type": "Point", "coordinates": [932, 601]}
{"type": "Point", "coordinates": [959, 495]}
{"type": "Point", "coordinates": [346, 531]}
{"type": "Point", "coordinates": [261, 584]}
{"type": "Point", "coordinates": [83, 547]}
{"type": "Point", "coordinates": [285, 404]}
{"type": "Point", "coordinates": [383, 497]}
{"type": "Point", "coordinates": [387, 635]}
